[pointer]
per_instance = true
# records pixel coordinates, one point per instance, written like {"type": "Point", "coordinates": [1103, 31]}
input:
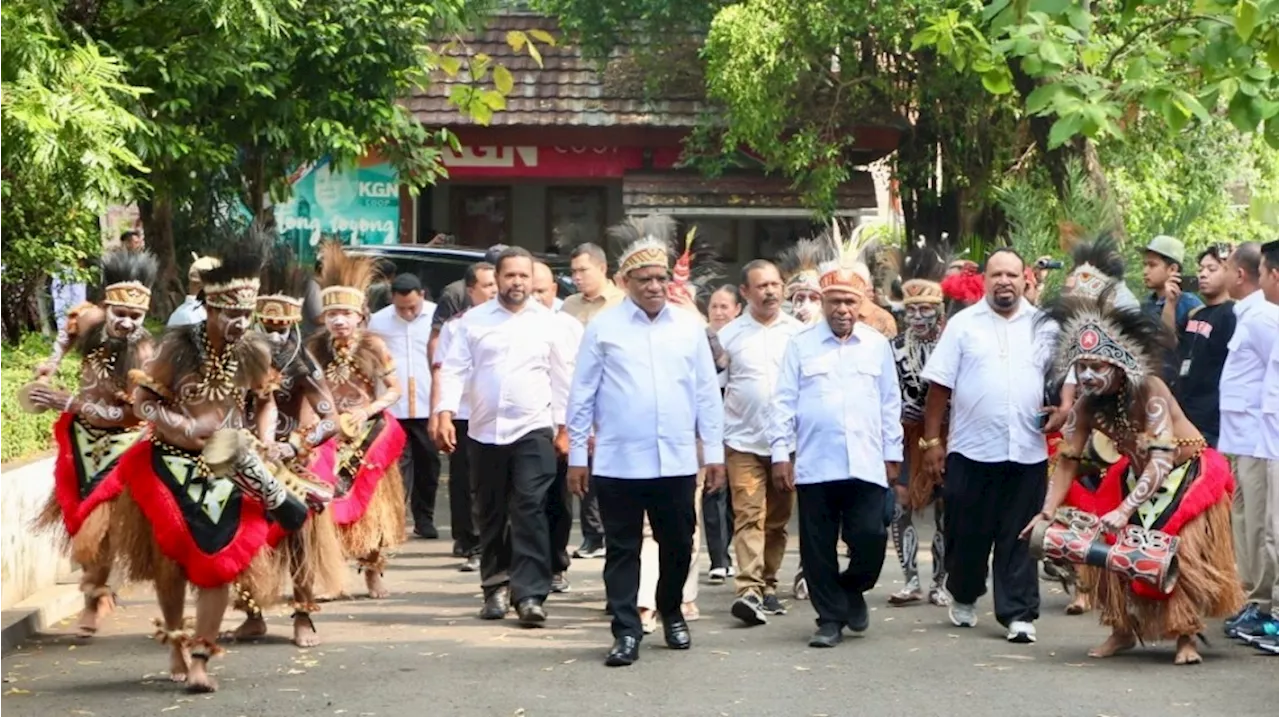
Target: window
{"type": "Point", "coordinates": [481, 215]}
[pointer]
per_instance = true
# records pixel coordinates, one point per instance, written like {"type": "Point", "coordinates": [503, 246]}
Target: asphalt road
{"type": "Point", "coordinates": [422, 652]}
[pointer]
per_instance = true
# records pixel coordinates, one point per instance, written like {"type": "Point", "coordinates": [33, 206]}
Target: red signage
{"type": "Point", "coordinates": [555, 162]}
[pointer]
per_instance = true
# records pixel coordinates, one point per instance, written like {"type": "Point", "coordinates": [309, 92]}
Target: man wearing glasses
{"type": "Point", "coordinates": [1202, 343]}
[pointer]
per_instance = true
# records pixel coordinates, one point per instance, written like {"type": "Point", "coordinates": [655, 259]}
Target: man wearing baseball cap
{"type": "Point", "coordinates": [1162, 273]}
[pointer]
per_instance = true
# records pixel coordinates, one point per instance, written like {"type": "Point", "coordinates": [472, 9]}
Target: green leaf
{"type": "Point", "coordinates": [1063, 130]}
{"type": "Point", "coordinates": [503, 80]}
{"type": "Point", "coordinates": [1079, 18]}
{"type": "Point", "coordinates": [1043, 97]}
{"type": "Point", "coordinates": [449, 64]}
{"type": "Point", "coordinates": [1189, 102]}
{"type": "Point", "coordinates": [997, 82]}
{"type": "Point", "coordinates": [493, 99]}
{"type": "Point", "coordinates": [517, 40]}
{"type": "Point", "coordinates": [1246, 16]}
{"type": "Point", "coordinates": [1051, 53]}
{"type": "Point", "coordinates": [543, 36]}
{"type": "Point", "coordinates": [993, 8]}
{"type": "Point", "coordinates": [1270, 130]}
{"type": "Point", "coordinates": [1050, 7]}
{"type": "Point", "coordinates": [533, 52]}
{"type": "Point", "coordinates": [1245, 112]}
{"type": "Point", "coordinates": [1273, 53]}
{"type": "Point", "coordinates": [481, 113]}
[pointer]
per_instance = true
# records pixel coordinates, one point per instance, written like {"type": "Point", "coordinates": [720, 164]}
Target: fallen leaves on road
{"type": "Point", "coordinates": [170, 708]}
{"type": "Point", "coordinates": [800, 668]}
{"type": "Point", "coordinates": [720, 652]}
{"type": "Point", "coordinates": [16, 691]}
{"type": "Point", "coordinates": [570, 661]}
{"type": "Point", "coordinates": [1014, 657]}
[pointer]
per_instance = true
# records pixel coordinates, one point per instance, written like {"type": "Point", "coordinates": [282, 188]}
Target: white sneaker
{"type": "Point", "coordinates": [962, 614]}
{"type": "Point", "coordinates": [1021, 632]}
{"type": "Point", "coordinates": [717, 576]}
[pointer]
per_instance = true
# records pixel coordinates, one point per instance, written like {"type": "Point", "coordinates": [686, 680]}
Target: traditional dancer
{"type": "Point", "coordinates": [185, 517]}
{"type": "Point", "coordinates": [925, 317]}
{"type": "Point", "coordinates": [97, 423]}
{"type": "Point", "coordinates": [305, 420]}
{"type": "Point", "coordinates": [799, 266]}
{"type": "Point", "coordinates": [369, 508]}
{"type": "Point", "coordinates": [1166, 480]}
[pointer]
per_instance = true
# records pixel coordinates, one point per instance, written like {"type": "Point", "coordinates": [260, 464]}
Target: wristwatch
{"type": "Point", "coordinates": [927, 443]}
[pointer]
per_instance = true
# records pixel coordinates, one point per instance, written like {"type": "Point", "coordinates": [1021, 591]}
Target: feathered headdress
{"type": "Point", "coordinates": [344, 279]}
{"type": "Point", "coordinates": [1092, 328]}
{"type": "Point", "coordinates": [233, 282]}
{"type": "Point", "coordinates": [128, 277]}
{"type": "Point", "coordinates": [1098, 265]}
{"type": "Point", "coordinates": [843, 271]}
{"type": "Point", "coordinates": [799, 264]}
{"type": "Point", "coordinates": [922, 274]}
{"type": "Point", "coordinates": [654, 241]}
{"type": "Point", "coordinates": [284, 283]}
{"type": "Point", "coordinates": [877, 251]}
{"type": "Point", "coordinates": [963, 283]}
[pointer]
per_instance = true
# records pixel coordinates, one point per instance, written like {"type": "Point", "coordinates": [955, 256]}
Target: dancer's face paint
{"type": "Point", "coordinates": [806, 305]}
{"type": "Point", "coordinates": [1096, 377]}
{"type": "Point", "coordinates": [922, 319]}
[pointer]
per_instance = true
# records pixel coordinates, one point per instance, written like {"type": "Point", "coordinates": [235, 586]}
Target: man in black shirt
{"type": "Point", "coordinates": [1202, 344]}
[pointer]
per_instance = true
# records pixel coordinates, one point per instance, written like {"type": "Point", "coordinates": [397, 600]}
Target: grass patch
{"type": "Point", "coordinates": [23, 435]}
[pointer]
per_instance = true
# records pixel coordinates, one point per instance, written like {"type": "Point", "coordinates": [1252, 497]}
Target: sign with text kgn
{"type": "Point", "coordinates": [360, 205]}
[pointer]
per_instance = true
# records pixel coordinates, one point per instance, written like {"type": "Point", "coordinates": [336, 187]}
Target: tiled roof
{"type": "Point", "coordinates": [566, 91]}
{"type": "Point", "coordinates": [675, 189]}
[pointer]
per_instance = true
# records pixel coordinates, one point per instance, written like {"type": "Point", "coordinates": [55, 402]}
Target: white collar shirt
{"type": "Point", "coordinates": [514, 367]}
{"type": "Point", "coordinates": [996, 369]}
{"type": "Point", "coordinates": [1241, 387]}
{"type": "Point", "coordinates": [648, 388]}
{"type": "Point", "coordinates": [447, 334]}
{"type": "Point", "coordinates": [190, 311]}
{"type": "Point", "coordinates": [407, 342]}
{"type": "Point", "coordinates": [1270, 443]}
{"type": "Point", "coordinates": [839, 403]}
{"type": "Point", "coordinates": [755, 353]}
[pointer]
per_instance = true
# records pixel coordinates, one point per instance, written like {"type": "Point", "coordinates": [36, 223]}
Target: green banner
{"type": "Point", "coordinates": [360, 205]}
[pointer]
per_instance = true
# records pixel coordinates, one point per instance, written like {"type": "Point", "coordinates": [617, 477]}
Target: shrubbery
{"type": "Point", "coordinates": [23, 435]}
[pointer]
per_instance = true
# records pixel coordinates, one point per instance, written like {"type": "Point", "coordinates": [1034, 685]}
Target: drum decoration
{"type": "Point", "coordinates": [238, 455]}
{"type": "Point", "coordinates": [1149, 556]}
{"type": "Point", "coordinates": [24, 398]}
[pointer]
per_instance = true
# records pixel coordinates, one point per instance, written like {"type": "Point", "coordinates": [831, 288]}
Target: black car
{"type": "Point", "coordinates": [438, 266]}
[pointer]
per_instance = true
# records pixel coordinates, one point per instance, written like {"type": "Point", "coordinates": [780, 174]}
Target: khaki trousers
{"type": "Point", "coordinates": [1253, 525]}
{"type": "Point", "coordinates": [760, 516]}
{"type": "Point", "coordinates": [647, 597]}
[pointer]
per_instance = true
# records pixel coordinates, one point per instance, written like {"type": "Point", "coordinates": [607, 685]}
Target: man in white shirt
{"type": "Point", "coordinates": [838, 406]}
{"type": "Point", "coordinates": [191, 310]}
{"type": "Point", "coordinates": [405, 327]}
{"type": "Point", "coordinates": [1270, 281]}
{"type": "Point", "coordinates": [559, 503]}
{"type": "Point", "coordinates": [480, 288]}
{"type": "Point", "coordinates": [514, 359]}
{"type": "Point", "coordinates": [646, 382]}
{"type": "Point", "coordinates": [991, 364]}
{"type": "Point", "coordinates": [754, 344]}
{"type": "Point", "coordinates": [1242, 437]}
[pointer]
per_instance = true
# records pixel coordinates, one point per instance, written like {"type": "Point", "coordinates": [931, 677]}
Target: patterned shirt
{"type": "Point", "coordinates": [910, 356]}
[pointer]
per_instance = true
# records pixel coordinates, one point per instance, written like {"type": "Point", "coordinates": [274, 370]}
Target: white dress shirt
{"type": "Point", "coordinates": [1240, 392]}
{"type": "Point", "coordinates": [995, 368]}
{"type": "Point", "coordinates": [839, 403]}
{"type": "Point", "coordinates": [515, 367]}
{"type": "Point", "coordinates": [447, 334]}
{"type": "Point", "coordinates": [755, 357]}
{"type": "Point", "coordinates": [649, 390]}
{"type": "Point", "coordinates": [1270, 447]}
{"type": "Point", "coordinates": [407, 342]}
{"type": "Point", "coordinates": [190, 311]}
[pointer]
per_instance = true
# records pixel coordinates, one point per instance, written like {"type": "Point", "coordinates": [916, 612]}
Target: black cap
{"type": "Point", "coordinates": [406, 283]}
{"type": "Point", "coordinates": [491, 256]}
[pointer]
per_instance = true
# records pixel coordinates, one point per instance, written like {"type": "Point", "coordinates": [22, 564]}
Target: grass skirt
{"type": "Point", "coordinates": [1207, 584]}
{"type": "Point", "coordinates": [383, 524]}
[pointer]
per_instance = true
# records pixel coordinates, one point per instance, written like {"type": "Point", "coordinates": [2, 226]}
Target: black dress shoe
{"type": "Point", "coordinates": [828, 635]}
{"type": "Point", "coordinates": [470, 565]}
{"type": "Point", "coordinates": [495, 606]}
{"type": "Point", "coordinates": [460, 550]}
{"type": "Point", "coordinates": [530, 612]}
{"type": "Point", "coordinates": [676, 632]}
{"type": "Point", "coordinates": [858, 615]}
{"type": "Point", "coordinates": [559, 583]}
{"type": "Point", "coordinates": [426, 532]}
{"type": "Point", "coordinates": [625, 651]}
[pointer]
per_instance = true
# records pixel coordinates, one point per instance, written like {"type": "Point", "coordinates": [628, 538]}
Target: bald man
{"type": "Point", "coordinates": [559, 517]}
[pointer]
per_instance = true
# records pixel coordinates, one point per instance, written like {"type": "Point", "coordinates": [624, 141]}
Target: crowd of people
{"type": "Point", "coordinates": [849, 385]}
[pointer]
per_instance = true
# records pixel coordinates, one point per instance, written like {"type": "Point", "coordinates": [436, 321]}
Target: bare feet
{"type": "Point", "coordinates": [1078, 606]}
{"type": "Point", "coordinates": [91, 615]}
{"type": "Point", "coordinates": [198, 679]}
{"type": "Point", "coordinates": [304, 631]}
{"type": "Point", "coordinates": [179, 663]}
{"type": "Point", "coordinates": [1187, 654]}
{"type": "Point", "coordinates": [1118, 642]}
{"type": "Point", "coordinates": [373, 580]}
{"type": "Point", "coordinates": [253, 627]}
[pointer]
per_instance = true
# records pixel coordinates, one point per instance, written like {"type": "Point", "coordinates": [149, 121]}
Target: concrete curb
{"type": "Point", "coordinates": [38, 613]}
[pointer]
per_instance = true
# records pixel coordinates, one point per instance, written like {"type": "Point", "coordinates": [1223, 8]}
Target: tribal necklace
{"type": "Point", "coordinates": [343, 366]}
{"type": "Point", "coordinates": [217, 371]}
{"type": "Point", "coordinates": [101, 363]}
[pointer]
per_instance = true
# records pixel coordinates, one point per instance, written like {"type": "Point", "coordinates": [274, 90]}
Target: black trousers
{"type": "Point", "coordinates": [512, 484]}
{"type": "Point", "coordinates": [589, 514]}
{"type": "Point", "coordinates": [857, 511]}
{"type": "Point", "coordinates": [623, 505]}
{"type": "Point", "coordinates": [989, 504]}
{"type": "Point", "coordinates": [717, 522]}
{"type": "Point", "coordinates": [420, 469]}
{"type": "Point", "coordinates": [560, 516]}
{"type": "Point", "coordinates": [462, 521]}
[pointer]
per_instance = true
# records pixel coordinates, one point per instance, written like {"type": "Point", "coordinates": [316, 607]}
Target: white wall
{"type": "Point", "coordinates": [29, 561]}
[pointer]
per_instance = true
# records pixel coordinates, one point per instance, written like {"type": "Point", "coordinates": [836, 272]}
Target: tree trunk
{"type": "Point", "coordinates": [157, 221]}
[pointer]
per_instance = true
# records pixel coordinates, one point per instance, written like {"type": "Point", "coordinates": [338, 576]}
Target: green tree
{"type": "Point", "coordinates": [65, 124]}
